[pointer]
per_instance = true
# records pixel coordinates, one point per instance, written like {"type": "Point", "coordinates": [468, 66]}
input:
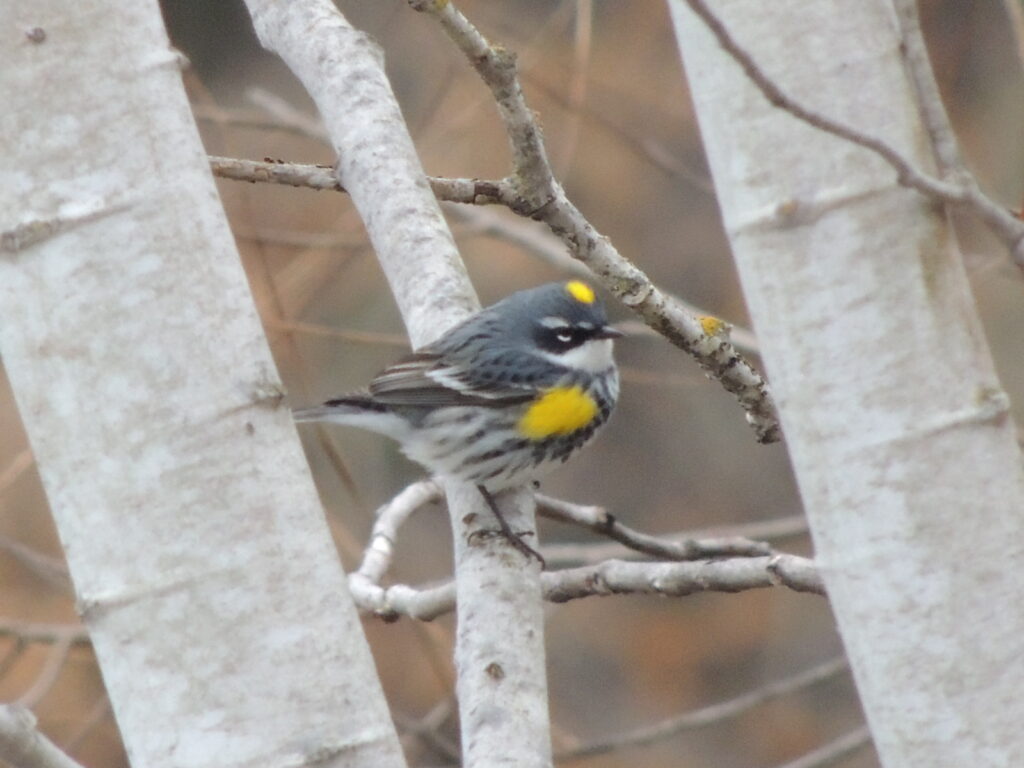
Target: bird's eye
{"type": "Point", "coordinates": [564, 336]}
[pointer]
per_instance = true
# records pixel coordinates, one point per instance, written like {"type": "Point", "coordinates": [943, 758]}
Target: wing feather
{"type": "Point", "coordinates": [427, 379]}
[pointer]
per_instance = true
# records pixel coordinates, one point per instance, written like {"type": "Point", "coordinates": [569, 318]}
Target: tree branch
{"type": "Point", "coordinates": [617, 577]}
{"type": "Point", "coordinates": [476, 192]}
{"type": "Point", "coordinates": [539, 196]}
{"type": "Point", "coordinates": [612, 577]}
{"type": "Point", "coordinates": [500, 621]}
{"type": "Point", "coordinates": [966, 194]}
{"type": "Point", "coordinates": [598, 520]}
{"type": "Point", "coordinates": [32, 632]}
{"type": "Point", "coordinates": [23, 746]}
{"type": "Point", "coordinates": [711, 715]}
{"type": "Point", "coordinates": [835, 751]}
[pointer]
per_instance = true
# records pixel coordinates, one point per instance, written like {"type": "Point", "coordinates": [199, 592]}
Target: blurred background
{"type": "Point", "coordinates": [606, 81]}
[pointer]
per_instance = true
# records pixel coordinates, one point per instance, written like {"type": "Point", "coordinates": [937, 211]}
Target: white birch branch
{"type": "Point", "coordinates": [502, 685]}
{"type": "Point", "coordinates": [23, 746]}
{"type": "Point", "coordinates": [896, 423]}
{"type": "Point", "coordinates": [201, 561]}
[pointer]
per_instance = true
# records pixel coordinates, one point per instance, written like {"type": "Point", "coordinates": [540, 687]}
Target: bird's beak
{"type": "Point", "coordinates": [608, 333]}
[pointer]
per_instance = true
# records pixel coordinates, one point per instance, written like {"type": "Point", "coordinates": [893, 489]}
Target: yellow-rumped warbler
{"type": "Point", "coordinates": [500, 399]}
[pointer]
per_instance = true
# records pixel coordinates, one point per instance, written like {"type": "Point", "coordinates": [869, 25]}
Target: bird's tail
{"type": "Point", "coordinates": [340, 409]}
{"type": "Point", "coordinates": [356, 410]}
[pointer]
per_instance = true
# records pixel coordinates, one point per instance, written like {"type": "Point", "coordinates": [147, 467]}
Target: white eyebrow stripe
{"type": "Point", "coordinates": [554, 322]}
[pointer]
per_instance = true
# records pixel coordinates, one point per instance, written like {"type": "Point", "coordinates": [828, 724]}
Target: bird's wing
{"type": "Point", "coordinates": [427, 379]}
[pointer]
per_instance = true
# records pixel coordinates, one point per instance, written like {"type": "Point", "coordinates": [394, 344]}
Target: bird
{"type": "Point", "coordinates": [500, 399]}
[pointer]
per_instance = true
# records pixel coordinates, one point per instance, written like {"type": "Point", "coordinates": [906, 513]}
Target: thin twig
{"type": "Point", "coordinates": [933, 112]}
{"type": "Point", "coordinates": [1015, 15]}
{"type": "Point", "coordinates": [33, 632]}
{"type": "Point", "coordinates": [285, 114]}
{"type": "Point", "coordinates": [545, 246]}
{"type": "Point", "coordinates": [94, 717]}
{"type": "Point", "coordinates": [318, 177]}
{"type": "Point", "coordinates": [769, 530]}
{"type": "Point", "coordinates": [51, 670]}
{"type": "Point", "coordinates": [466, 191]}
{"type": "Point", "coordinates": [711, 715]}
{"type": "Point", "coordinates": [17, 466]}
{"type": "Point", "coordinates": [598, 520]}
{"type": "Point", "coordinates": [345, 334]}
{"type": "Point", "coordinates": [582, 44]}
{"type": "Point", "coordinates": [323, 178]}
{"type": "Point", "coordinates": [428, 727]}
{"type": "Point", "coordinates": [52, 570]}
{"type": "Point", "coordinates": [832, 753]}
{"type": "Point", "coordinates": [1002, 222]}
{"type": "Point", "coordinates": [11, 656]}
{"type": "Point", "coordinates": [304, 240]}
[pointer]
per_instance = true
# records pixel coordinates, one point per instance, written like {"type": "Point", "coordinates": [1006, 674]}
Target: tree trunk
{"type": "Point", "coordinates": [200, 557]}
{"type": "Point", "coordinates": [897, 426]}
{"type": "Point", "coordinates": [499, 654]}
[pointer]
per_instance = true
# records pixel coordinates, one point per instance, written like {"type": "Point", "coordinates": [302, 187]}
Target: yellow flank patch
{"type": "Point", "coordinates": [559, 411]}
{"type": "Point", "coordinates": [712, 326]}
{"type": "Point", "coordinates": [580, 291]}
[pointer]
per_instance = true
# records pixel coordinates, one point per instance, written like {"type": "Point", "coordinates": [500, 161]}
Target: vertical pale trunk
{"type": "Point", "coordinates": [502, 682]}
{"type": "Point", "coordinates": [200, 557]}
{"type": "Point", "coordinates": [896, 423]}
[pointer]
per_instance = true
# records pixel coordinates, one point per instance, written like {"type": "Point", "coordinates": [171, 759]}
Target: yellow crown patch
{"type": "Point", "coordinates": [559, 411]}
{"type": "Point", "coordinates": [580, 291]}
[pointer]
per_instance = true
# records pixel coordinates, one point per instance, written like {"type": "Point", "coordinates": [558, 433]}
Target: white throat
{"type": "Point", "coordinates": [592, 356]}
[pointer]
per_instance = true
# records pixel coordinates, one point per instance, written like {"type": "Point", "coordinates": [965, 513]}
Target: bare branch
{"type": "Point", "coordinates": [317, 177]}
{"type": "Point", "coordinates": [322, 177]}
{"type": "Point", "coordinates": [617, 577]}
{"type": "Point", "coordinates": [610, 577]}
{"type": "Point", "coordinates": [539, 196]}
{"type": "Point", "coordinates": [285, 114]}
{"type": "Point", "coordinates": [766, 568]}
{"type": "Point", "coordinates": [782, 528]}
{"type": "Point", "coordinates": [467, 191]}
{"type": "Point", "coordinates": [391, 517]}
{"type": "Point", "coordinates": [1015, 15]}
{"type": "Point", "coordinates": [545, 246]}
{"type": "Point", "coordinates": [51, 670]}
{"type": "Point", "coordinates": [346, 334]}
{"type": "Point", "coordinates": [52, 570]}
{"type": "Point", "coordinates": [97, 712]}
{"type": "Point", "coordinates": [23, 746]}
{"type": "Point", "coordinates": [32, 632]}
{"type": "Point", "coordinates": [1002, 222]}
{"type": "Point", "coordinates": [15, 468]}
{"type": "Point", "coordinates": [832, 753]}
{"type": "Point", "coordinates": [598, 520]}
{"type": "Point", "coordinates": [427, 728]}
{"type": "Point", "coordinates": [712, 715]}
{"type": "Point", "coordinates": [933, 112]}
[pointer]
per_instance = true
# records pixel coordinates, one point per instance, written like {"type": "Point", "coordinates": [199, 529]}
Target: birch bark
{"type": "Point", "coordinates": [897, 426]}
{"type": "Point", "coordinates": [502, 681]}
{"type": "Point", "coordinates": [201, 561]}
